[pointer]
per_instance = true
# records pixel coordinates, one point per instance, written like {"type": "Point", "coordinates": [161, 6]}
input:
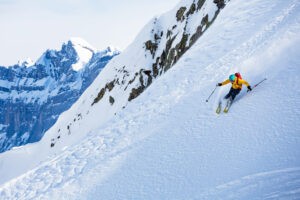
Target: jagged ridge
{"type": "Point", "coordinates": [33, 96]}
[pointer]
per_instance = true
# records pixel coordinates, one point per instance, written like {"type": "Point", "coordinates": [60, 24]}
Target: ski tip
{"type": "Point", "coordinates": [218, 110]}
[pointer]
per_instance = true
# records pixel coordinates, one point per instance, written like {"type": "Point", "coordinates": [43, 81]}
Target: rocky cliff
{"type": "Point", "coordinates": [32, 96]}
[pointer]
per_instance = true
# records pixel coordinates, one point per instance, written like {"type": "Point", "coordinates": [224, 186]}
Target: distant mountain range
{"type": "Point", "coordinates": [155, 50]}
{"type": "Point", "coordinates": [33, 95]}
{"type": "Point", "coordinates": [143, 130]}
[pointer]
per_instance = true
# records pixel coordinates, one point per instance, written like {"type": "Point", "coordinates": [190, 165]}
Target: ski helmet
{"type": "Point", "coordinates": [232, 77]}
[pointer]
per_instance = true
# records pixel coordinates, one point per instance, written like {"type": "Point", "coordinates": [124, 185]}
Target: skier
{"type": "Point", "coordinates": [237, 83]}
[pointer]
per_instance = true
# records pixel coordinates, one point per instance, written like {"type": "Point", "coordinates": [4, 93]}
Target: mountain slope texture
{"type": "Point", "coordinates": [33, 95]}
{"type": "Point", "coordinates": [143, 130]}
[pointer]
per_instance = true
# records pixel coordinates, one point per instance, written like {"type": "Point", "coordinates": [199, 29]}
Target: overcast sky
{"type": "Point", "coordinates": [29, 27]}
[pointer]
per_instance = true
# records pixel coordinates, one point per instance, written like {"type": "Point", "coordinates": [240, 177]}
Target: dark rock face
{"type": "Point", "coordinates": [32, 98]}
{"type": "Point", "coordinates": [166, 44]}
{"type": "Point", "coordinates": [173, 51]}
{"type": "Point", "coordinates": [220, 3]}
{"type": "Point", "coordinates": [180, 14]}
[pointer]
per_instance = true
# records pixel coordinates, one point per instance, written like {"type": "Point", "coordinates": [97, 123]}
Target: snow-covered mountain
{"type": "Point", "coordinates": [155, 50]}
{"type": "Point", "coordinates": [169, 143]}
{"type": "Point", "coordinates": [33, 95]}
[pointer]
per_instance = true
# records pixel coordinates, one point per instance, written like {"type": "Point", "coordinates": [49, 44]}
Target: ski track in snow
{"type": "Point", "coordinates": [279, 184]}
{"type": "Point", "coordinates": [103, 151]}
{"type": "Point", "coordinates": [245, 50]}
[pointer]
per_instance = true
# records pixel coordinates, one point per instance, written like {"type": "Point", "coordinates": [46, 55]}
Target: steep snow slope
{"type": "Point", "coordinates": [169, 143]}
{"type": "Point", "coordinates": [155, 50]}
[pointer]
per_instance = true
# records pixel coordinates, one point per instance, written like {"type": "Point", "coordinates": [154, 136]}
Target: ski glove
{"type": "Point", "coordinates": [219, 84]}
{"type": "Point", "coordinates": [249, 88]}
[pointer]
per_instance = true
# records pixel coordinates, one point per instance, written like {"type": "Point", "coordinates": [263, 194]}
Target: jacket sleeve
{"type": "Point", "coordinates": [244, 82]}
{"type": "Point", "coordinates": [226, 82]}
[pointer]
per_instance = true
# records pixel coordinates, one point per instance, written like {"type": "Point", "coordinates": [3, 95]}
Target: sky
{"type": "Point", "coordinates": [30, 27]}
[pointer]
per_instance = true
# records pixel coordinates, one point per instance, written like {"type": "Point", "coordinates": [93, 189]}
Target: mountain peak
{"type": "Point", "coordinates": [84, 52]}
{"type": "Point", "coordinates": [110, 51]}
{"type": "Point", "coordinates": [75, 48]}
{"type": "Point", "coordinates": [79, 42]}
{"type": "Point", "coordinates": [26, 63]}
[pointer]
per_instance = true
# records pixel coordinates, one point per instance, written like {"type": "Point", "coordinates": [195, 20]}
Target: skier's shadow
{"type": "Point", "coordinates": [240, 96]}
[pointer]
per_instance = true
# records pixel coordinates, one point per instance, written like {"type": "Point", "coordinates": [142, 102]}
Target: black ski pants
{"type": "Point", "coordinates": [232, 93]}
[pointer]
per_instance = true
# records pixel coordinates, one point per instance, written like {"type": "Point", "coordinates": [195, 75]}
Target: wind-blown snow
{"type": "Point", "coordinates": [170, 144]}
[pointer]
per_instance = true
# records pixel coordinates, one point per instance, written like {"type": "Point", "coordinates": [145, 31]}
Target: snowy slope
{"type": "Point", "coordinates": [155, 50]}
{"type": "Point", "coordinates": [169, 143]}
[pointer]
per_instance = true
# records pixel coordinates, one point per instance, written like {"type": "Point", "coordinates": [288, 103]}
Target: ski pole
{"type": "Point", "coordinates": [211, 94]}
{"type": "Point", "coordinates": [259, 82]}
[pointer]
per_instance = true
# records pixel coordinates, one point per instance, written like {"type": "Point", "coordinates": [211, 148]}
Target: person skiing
{"type": "Point", "coordinates": [237, 83]}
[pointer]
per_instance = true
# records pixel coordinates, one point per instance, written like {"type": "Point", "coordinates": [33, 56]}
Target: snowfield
{"type": "Point", "coordinates": [170, 144]}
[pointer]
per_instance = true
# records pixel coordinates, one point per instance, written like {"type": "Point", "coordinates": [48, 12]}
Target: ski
{"type": "Point", "coordinates": [218, 110]}
{"type": "Point", "coordinates": [229, 101]}
{"type": "Point", "coordinates": [226, 109]}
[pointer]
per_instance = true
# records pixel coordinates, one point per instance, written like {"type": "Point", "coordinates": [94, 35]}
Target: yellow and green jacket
{"type": "Point", "coordinates": [237, 83]}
